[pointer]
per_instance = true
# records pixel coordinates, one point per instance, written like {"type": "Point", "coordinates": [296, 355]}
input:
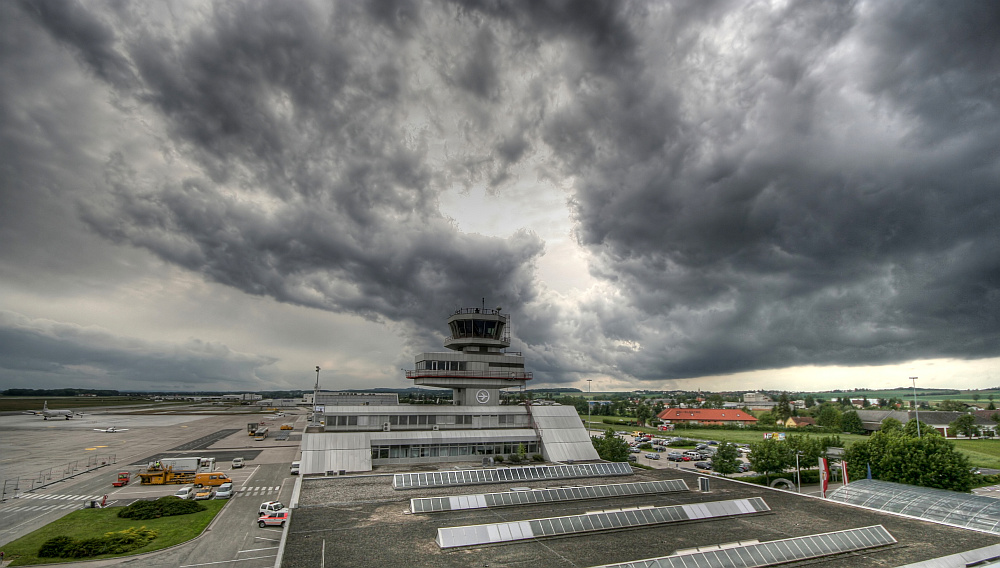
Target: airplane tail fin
{"type": "Point", "coordinates": [45, 405]}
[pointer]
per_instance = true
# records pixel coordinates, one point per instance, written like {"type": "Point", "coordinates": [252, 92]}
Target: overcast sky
{"type": "Point", "coordinates": [716, 195]}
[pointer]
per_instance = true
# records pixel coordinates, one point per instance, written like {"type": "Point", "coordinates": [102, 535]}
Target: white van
{"type": "Point", "coordinates": [693, 454]}
{"type": "Point", "coordinates": [295, 468]}
{"type": "Point", "coordinates": [185, 492]}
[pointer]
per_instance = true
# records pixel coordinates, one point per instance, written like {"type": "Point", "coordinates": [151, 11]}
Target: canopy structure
{"type": "Point", "coordinates": [937, 505]}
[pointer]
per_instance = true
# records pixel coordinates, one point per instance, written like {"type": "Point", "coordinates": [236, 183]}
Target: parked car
{"type": "Point", "coordinates": [203, 493]}
{"type": "Point", "coordinates": [703, 465]}
{"type": "Point", "coordinates": [631, 458]}
{"type": "Point", "coordinates": [186, 492]}
{"type": "Point", "coordinates": [225, 491]}
{"type": "Point", "coordinates": [713, 443]}
{"type": "Point", "coordinates": [701, 446]}
{"type": "Point", "coordinates": [294, 470]}
{"type": "Point", "coordinates": [686, 458]}
{"type": "Point", "coordinates": [270, 507]}
{"type": "Point", "coordinates": [653, 456]}
{"type": "Point", "coordinates": [743, 467]}
{"type": "Point", "coordinates": [635, 450]}
{"type": "Point", "coordinates": [675, 456]}
{"type": "Point", "coordinates": [275, 518]}
{"type": "Point", "coordinates": [237, 463]}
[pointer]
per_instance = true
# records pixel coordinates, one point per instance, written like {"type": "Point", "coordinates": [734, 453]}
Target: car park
{"type": "Point", "coordinates": [270, 507]}
{"type": "Point", "coordinates": [703, 465]}
{"type": "Point", "coordinates": [225, 491]}
{"type": "Point", "coordinates": [653, 456]}
{"type": "Point", "coordinates": [273, 518]}
{"type": "Point", "coordinates": [203, 493]}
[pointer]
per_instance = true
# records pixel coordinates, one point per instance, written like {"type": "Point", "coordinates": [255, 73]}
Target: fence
{"type": "Point", "coordinates": [13, 488]}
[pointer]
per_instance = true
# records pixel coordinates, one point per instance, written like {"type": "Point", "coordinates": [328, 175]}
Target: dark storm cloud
{"type": "Point", "coordinates": [778, 228]}
{"type": "Point", "coordinates": [42, 353]}
{"type": "Point", "coordinates": [760, 186]}
{"type": "Point", "coordinates": [303, 110]}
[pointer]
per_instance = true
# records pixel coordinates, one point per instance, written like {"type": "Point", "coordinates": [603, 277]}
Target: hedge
{"type": "Point", "coordinates": [163, 507]}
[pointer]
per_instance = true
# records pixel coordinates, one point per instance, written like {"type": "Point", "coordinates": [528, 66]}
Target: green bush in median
{"type": "Point", "coordinates": [111, 543]}
{"type": "Point", "coordinates": [162, 507]}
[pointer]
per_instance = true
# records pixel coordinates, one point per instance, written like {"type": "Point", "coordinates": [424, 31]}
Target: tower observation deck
{"type": "Point", "coordinates": [478, 366]}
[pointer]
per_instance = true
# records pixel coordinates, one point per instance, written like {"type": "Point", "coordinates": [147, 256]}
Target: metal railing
{"type": "Point", "coordinates": [492, 374]}
{"type": "Point", "coordinates": [13, 488]}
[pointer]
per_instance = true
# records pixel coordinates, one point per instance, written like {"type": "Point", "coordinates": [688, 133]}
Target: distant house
{"type": "Point", "coordinates": [706, 416]}
{"type": "Point", "coordinates": [799, 422]}
{"type": "Point", "coordinates": [756, 397]}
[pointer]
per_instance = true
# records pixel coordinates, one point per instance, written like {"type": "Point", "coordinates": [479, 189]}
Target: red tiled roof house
{"type": "Point", "coordinates": [718, 416]}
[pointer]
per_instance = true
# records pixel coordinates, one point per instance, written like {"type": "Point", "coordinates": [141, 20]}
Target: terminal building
{"type": "Point", "coordinates": [478, 367]}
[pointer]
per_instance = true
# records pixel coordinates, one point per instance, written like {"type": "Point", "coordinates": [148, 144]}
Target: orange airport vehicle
{"type": "Point", "coordinates": [122, 480]}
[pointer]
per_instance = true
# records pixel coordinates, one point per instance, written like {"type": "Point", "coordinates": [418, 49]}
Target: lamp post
{"type": "Point", "coordinates": [315, 397]}
{"type": "Point", "coordinates": [590, 401]}
{"type": "Point", "coordinates": [916, 406]}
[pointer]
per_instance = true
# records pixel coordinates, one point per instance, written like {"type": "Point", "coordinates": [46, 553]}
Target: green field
{"type": "Point", "coordinates": [87, 523]}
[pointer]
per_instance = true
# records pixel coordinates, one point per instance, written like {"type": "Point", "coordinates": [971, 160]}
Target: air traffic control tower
{"type": "Point", "coordinates": [478, 367]}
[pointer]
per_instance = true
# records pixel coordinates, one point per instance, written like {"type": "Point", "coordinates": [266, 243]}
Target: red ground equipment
{"type": "Point", "coordinates": [122, 480]}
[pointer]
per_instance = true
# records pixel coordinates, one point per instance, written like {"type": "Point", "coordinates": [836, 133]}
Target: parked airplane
{"type": "Point", "coordinates": [111, 430]}
{"type": "Point", "coordinates": [46, 413]}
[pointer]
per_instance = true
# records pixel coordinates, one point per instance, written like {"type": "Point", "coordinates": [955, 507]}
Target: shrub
{"type": "Point", "coordinates": [111, 543]}
{"type": "Point", "coordinates": [55, 546]}
{"type": "Point", "coordinates": [538, 457]}
{"type": "Point", "coordinates": [162, 507]}
{"type": "Point", "coordinates": [498, 458]}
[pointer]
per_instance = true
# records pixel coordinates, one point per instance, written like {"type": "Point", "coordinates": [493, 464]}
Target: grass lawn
{"type": "Point", "coordinates": [733, 436]}
{"type": "Point", "coordinates": [981, 452]}
{"type": "Point", "coordinates": [87, 523]}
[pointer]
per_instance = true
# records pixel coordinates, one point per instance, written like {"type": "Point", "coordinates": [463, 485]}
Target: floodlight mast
{"type": "Point", "coordinates": [916, 406]}
{"type": "Point", "coordinates": [316, 397]}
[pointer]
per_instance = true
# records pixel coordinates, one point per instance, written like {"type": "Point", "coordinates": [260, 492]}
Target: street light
{"type": "Point", "coordinates": [316, 397]}
{"type": "Point", "coordinates": [915, 405]}
{"type": "Point", "coordinates": [590, 401]}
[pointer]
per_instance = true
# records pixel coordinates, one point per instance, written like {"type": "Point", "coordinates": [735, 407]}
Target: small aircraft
{"type": "Point", "coordinates": [46, 413]}
{"type": "Point", "coordinates": [111, 430]}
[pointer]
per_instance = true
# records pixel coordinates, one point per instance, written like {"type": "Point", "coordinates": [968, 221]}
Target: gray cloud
{"type": "Point", "coordinates": [757, 186]}
{"type": "Point", "coordinates": [47, 353]}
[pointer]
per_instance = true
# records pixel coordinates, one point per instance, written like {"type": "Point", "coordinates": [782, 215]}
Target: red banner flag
{"type": "Point", "coordinates": [824, 475]}
{"type": "Point", "coordinates": [843, 468]}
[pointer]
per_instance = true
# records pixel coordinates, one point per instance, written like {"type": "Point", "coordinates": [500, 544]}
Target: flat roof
{"type": "Point", "coordinates": [361, 521]}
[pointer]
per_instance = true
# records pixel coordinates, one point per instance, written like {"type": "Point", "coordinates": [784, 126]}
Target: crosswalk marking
{"type": "Point", "coordinates": [55, 496]}
{"type": "Point", "coordinates": [40, 508]}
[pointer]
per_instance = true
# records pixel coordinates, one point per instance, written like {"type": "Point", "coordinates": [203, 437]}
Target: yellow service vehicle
{"type": "Point", "coordinates": [287, 427]}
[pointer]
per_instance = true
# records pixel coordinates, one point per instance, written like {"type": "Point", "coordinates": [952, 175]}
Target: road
{"type": "Point", "coordinates": [233, 538]}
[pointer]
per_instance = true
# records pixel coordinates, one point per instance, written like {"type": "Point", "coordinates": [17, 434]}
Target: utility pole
{"type": "Point", "coordinates": [590, 401]}
{"type": "Point", "coordinates": [916, 406]}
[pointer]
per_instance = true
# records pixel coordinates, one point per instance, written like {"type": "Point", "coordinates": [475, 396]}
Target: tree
{"type": "Point", "coordinates": [951, 406]}
{"type": "Point", "coordinates": [809, 448]}
{"type": "Point", "coordinates": [828, 417]}
{"type": "Point", "coordinates": [770, 456]}
{"type": "Point", "coordinates": [610, 447]}
{"type": "Point", "coordinates": [642, 414]}
{"type": "Point", "coordinates": [850, 422]}
{"type": "Point", "coordinates": [726, 459]}
{"type": "Point", "coordinates": [766, 419]}
{"type": "Point", "coordinates": [810, 401]}
{"type": "Point", "coordinates": [782, 410]}
{"type": "Point", "coordinates": [975, 397]}
{"type": "Point", "coordinates": [965, 425]}
{"type": "Point", "coordinates": [911, 429]}
{"type": "Point", "coordinates": [930, 461]}
{"type": "Point", "coordinates": [891, 425]}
